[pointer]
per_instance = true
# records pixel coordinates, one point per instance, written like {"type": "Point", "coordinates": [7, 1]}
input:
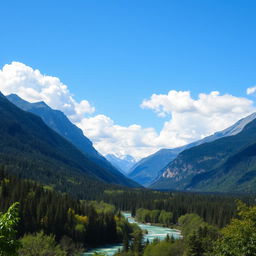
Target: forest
{"type": "Point", "coordinates": [69, 225]}
{"type": "Point", "coordinates": [201, 239]}
{"type": "Point", "coordinates": [81, 223]}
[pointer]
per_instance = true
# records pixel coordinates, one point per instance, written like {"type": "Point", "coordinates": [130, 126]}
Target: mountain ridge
{"type": "Point", "coordinates": [163, 157]}
{"type": "Point", "coordinates": [214, 166]}
{"type": "Point", "coordinates": [57, 121]}
{"type": "Point", "coordinates": [30, 149]}
{"type": "Point", "coordinates": [123, 163]}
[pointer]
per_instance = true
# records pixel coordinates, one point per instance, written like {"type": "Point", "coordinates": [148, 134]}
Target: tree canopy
{"type": "Point", "coordinates": [8, 222]}
{"type": "Point", "coordinates": [239, 237]}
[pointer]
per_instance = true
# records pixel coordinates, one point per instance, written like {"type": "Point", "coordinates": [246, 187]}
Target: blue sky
{"type": "Point", "coordinates": [115, 54]}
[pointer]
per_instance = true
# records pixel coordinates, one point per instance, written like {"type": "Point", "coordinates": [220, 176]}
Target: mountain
{"type": "Point", "coordinates": [227, 164]}
{"type": "Point", "coordinates": [32, 150]}
{"type": "Point", "coordinates": [148, 169]}
{"type": "Point", "coordinates": [122, 163]}
{"type": "Point", "coordinates": [57, 121]}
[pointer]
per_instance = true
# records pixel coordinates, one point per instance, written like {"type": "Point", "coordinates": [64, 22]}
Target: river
{"type": "Point", "coordinates": [153, 232]}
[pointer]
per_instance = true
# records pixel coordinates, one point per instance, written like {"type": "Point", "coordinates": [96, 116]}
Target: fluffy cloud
{"type": "Point", "coordinates": [189, 119]}
{"type": "Point", "coordinates": [33, 86]}
{"type": "Point", "coordinates": [109, 137]}
{"type": "Point", "coordinates": [251, 90]}
{"type": "Point", "coordinates": [192, 119]}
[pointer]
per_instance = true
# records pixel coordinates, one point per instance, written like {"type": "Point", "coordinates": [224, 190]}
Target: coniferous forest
{"type": "Point", "coordinates": [75, 224]}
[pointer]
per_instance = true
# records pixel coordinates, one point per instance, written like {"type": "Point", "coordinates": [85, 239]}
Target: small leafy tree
{"type": "Point", "coordinates": [239, 238]}
{"type": "Point", "coordinates": [8, 221]}
{"type": "Point", "coordinates": [40, 245]}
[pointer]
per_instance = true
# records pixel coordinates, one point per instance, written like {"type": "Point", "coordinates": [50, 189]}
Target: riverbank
{"type": "Point", "coordinates": [153, 232]}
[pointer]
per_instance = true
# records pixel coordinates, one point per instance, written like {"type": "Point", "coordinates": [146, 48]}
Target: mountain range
{"type": "Point", "coordinates": [41, 144]}
{"type": "Point", "coordinates": [31, 149]}
{"type": "Point", "coordinates": [123, 163]}
{"type": "Point", "coordinates": [148, 169]}
{"type": "Point", "coordinates": [60, 123]}
{"type": "Point", "coordinates": [227, 164]}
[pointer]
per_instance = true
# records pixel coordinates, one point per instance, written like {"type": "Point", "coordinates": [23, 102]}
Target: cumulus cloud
{"type": "Point", "coordinates": [33, 86]}
{"type": "Point", "coordinates": [192, 119]}
{"type": "Point", "coordinates": [110, 137]}
{"type": "Point", "coordinates": [189, 119]}
{"type": "Point", "coordinates": [251, 90]}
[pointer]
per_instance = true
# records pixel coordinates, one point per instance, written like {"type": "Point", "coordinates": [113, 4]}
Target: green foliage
{"type": "Point", "coordinates": [164, 248]}
{"type": "Point", "coordinates": [239, 237]}
{"type": "Point", "coordinates": [198, 236]}
{"type": "Point", "coordinates": [137, 242]}
{"type": "Point", "coordinates": [227, 164]}
{"type": "Point", "coordinates": [214, 209]}
{"type": "Point", "coordinates": [87, 223]}
{"type": "Point", "coordinates": [30, 149]}
{"type": "Point", "coordinates": [8, 222]}
{"type": "Point", "coordinates": [154, 216]}
{"type": "Point", "coordinates": [102, 207]}
{"type": "Point", "coordinates": [195, 247]}
{"type": "Point", "coordinates": [40, 245]}
{"type": "Point", "coordinates": [190, 223]}
{"type": "Point", "coordinates": [165, 218]}
{"type": "Point", "coordinates": [200, 242]}
{"type": "Point", "coordinates": [71, 248]}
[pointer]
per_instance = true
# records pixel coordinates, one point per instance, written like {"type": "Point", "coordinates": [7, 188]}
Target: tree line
{"type": "Point", "coordinates": [215, 209]}
{"type": "Point", "coordinates": [86, 223]}
{"type": "Point", "coordinates": [201, 239]}
{"type": "Point", "coordinates": [154, 216]}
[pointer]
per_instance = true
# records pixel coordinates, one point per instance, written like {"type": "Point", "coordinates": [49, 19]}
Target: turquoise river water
{"type": "Point", "coordinates": [152, 233]}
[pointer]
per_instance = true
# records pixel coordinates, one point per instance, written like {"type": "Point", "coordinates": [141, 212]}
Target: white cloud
{"type": "Point", "coordinates": [109, 137]}
{"type": "Point", "coordinates": [33, 86]}
{"type": "Point", "coordinates": [192, 119]}
{"type": "Point", "coordinates": [189, 119]}
{"type": "Point", "coordinates": [251, 90]}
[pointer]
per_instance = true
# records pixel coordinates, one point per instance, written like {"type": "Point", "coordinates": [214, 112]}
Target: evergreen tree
{"type": "Point", "coordinates": [195, 247]}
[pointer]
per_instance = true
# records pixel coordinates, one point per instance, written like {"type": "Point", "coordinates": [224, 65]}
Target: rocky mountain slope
{"type": "Point", "coordinates": [150, 168]}
{"type": "Point", "coordinates": [227, 164]}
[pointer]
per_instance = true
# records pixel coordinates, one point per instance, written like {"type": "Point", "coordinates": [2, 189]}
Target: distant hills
{"type": "Point", "coordinates": [41, 144]}
{"type": "Point", "coordinates": [227, 164]}
{"type": "Point", "coordinates": [32, 150]}
{"type": "Point", "coordinates": [122, 163]}
{"type": "Point", "coordinates": [57, 121]}
{"type": "Point", "coordinates": [148, 169]}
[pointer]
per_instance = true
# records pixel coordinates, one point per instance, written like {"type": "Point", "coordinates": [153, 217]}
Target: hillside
{"type": "Point", "coordinates": [224, 165]}
{"type": "Point", "coordinates": [57, 121]}
{"type": "Point", "coordinates": [30, 149]}
{"type": "Point", "coordinates": [150, 168]}
{"type": "Point", "coordinates": [147, 169]}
